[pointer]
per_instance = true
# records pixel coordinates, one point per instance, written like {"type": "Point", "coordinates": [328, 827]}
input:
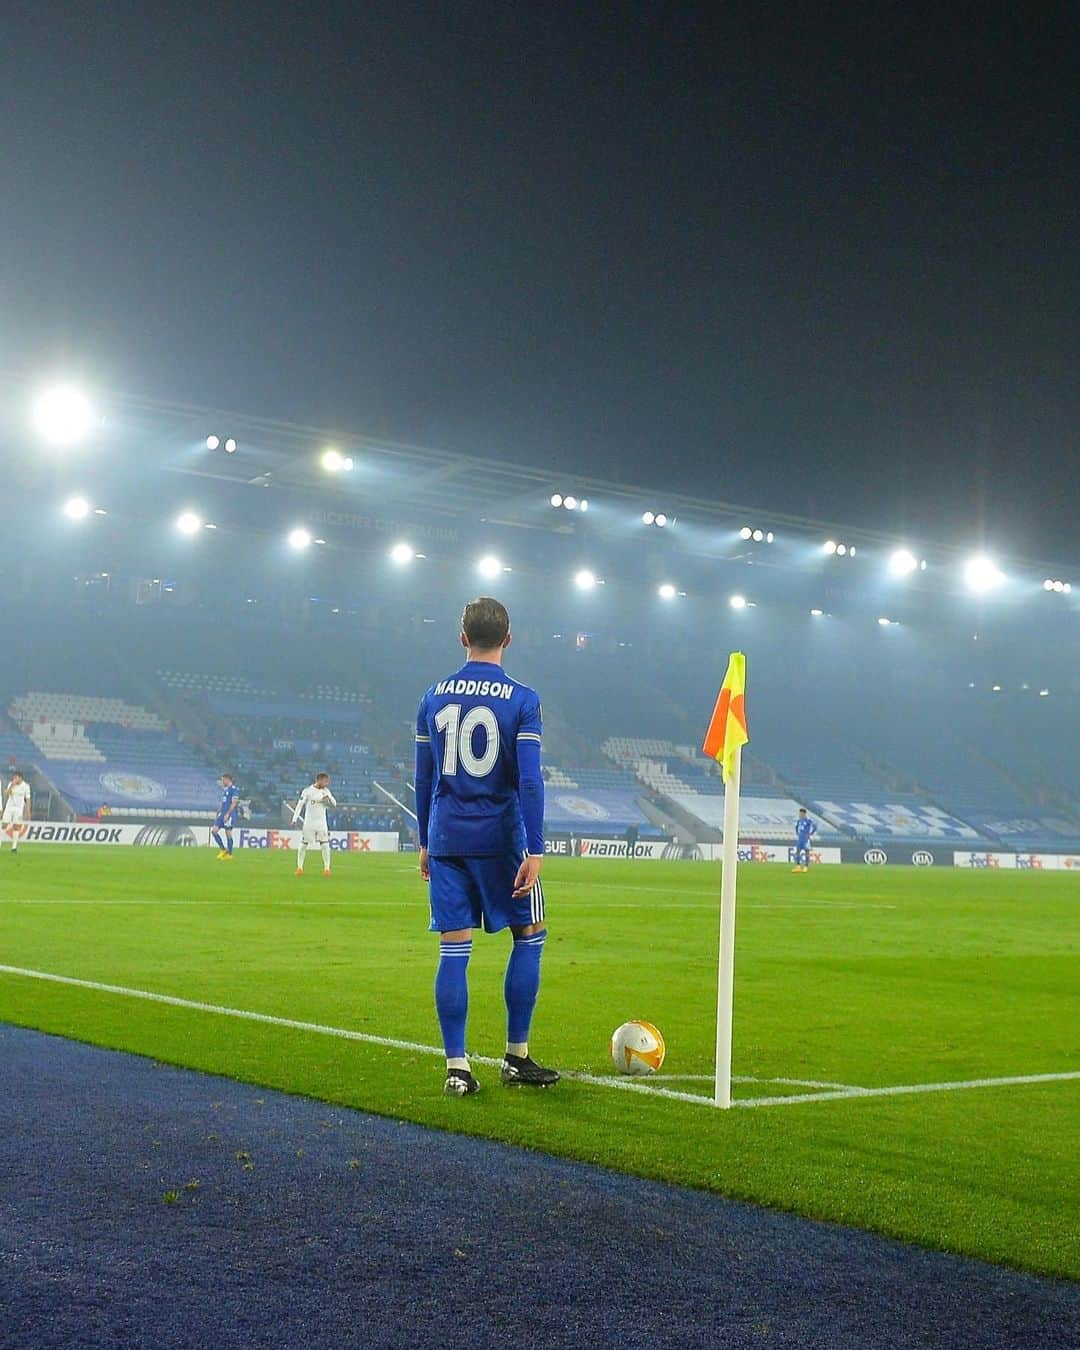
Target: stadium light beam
{"type": "Point", "coordinates": [556, 499]}
{"type": "Point", "coordinates": [187, 522]}
{"type": "Point", "coordinates": [647, 517]}
{"type": "Point", "coordinates": [666, 591]}
{"type": "Point", "coordinates": [333, 461]}
{"type": "Point", "coordinates": [489, 567]}
{"type": "Point", "coordinates": [402, 553]}
{"type": "Point", "coordinates": [299, 539]}
{"type": "Point", "coordinates": [62, 416]}
{"type": "Point", "coordinates": [982, 574]}
{"type": "Point", "coordinates": [737, 602]}
{"type": "Point", "coordinates": [585, 580]}
{"type": "Point", "coordinates": [213, 442]}
{"type": "Point", "coordinates": [76, 508]}
{"type": "Point", "coordinates": [230, 445]}
{"type": "Point", "coordinates": [817, 613]}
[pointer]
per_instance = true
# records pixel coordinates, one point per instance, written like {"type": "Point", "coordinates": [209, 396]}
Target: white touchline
{"type": "Point", "coordinates": [322, 902]}
{"type": "Point", "coordinates": [620, 1084]}
{"type": "Point", "coordinates": [907, 1089]}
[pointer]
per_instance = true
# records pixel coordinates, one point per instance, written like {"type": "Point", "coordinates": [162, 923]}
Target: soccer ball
{"type": "Point", "coordinates": [637, 1047]}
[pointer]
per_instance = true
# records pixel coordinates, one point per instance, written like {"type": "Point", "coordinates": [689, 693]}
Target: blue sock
{"type": "Point", "coordinates": [228, 842]}
{"type": "Point", "coordinates": [216, 838]}
{"type": "Point", "coordinates": [522, 985]}
{"type": "Point", "coordinates": [452, 995]}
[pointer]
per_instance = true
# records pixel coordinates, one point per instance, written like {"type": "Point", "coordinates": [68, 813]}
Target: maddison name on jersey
{"type": "Point", "coordinates": [481, 688]}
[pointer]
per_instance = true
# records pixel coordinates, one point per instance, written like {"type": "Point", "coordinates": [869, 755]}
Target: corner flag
{"type": "Point", "coordinates": [724, 740]}
{"type": "Point", "coordinates": [727, 730]}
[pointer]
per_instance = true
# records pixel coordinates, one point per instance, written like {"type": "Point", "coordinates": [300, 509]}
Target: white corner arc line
{"type": "Point", "coordinates": [416, 1047]}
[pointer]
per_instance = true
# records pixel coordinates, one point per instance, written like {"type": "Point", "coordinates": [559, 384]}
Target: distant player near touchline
{"type": "Point", "coordinates": [480, 818]}
{"type": "Point", "coordinates": [805, 829]}
{"type": "Point", "coordinates": [313, 802]}
{"type": "Point", "coordinates": [230, 805]}
{"type": "Point", "coordinates": [16, 810]}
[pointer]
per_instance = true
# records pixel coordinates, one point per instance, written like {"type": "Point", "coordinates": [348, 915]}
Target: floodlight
{"type": "Point", "coordinates": [584, 580]}
{"type": "Point", "coordinates": [647, 517]}
{"type": "Point", "coordinates": [556, 499]}
{"type": "Point", "coordinates": [1059, 586]}
{"type": "Point", "coordinates": [851, 551]}
{"type": "Point", "coordinates": [76, 508]}
{"type": "Point", "coordinates": [769, 536]}
{"type": "Point", "coordinates": [213, 442]}
{"type": "Point", "coordinates": [1044, 693]}
{"type": "Point", "coordinates": [817, 613]}
{"type": "Point", "coordinates": [901, 562]}
{"type": "Point", "coordinates": [570, 503]}
{"type": "Point", "coordinates": [982, 574]}
{"type": "Point", "coordinates": [187, 522]}
{"type": "Point", "coordinates": [758, 536]}
{"type": "Point", "coordinates": [830, 545]}
{"type": "Point", "coordinates": [489, 567]}
{"type": "Point", "coordinates": [995, 688]}
{"type": "Point", "coordinates": [299, 538]}
{"type": "Point", "coordinates": [841, 550]}
{"type": "Point", "coordinates": [62, 416]}
{"type": "Point", "coordinates": [666, 591]}
{"type": "Point", "coordinates": [661, 519]}
{"type": "Point", "coordinates": [745, 532]}
{"type": "Point", "coordinates": [737, 602]}
{"type": "Point", "coordinates": [230, 445]}
{"type": "Point", "coordinates": [885, 623]}
{"type": "Point", "coordinates": [1067, 588]}
{"type": "Point", "coordinates": [402, 553]}
{"type": "Point", "coordinates": [583, 505]}
{"type": "Point", "coordinates": [333, 461]}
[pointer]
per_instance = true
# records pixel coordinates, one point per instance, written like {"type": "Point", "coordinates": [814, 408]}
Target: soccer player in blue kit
{"type": "Point", "coordinates": [230, 804]}
{"type": "Point", "coordinates": [480, 817]}
{"type": "Point", "coordinates": [805, 829]}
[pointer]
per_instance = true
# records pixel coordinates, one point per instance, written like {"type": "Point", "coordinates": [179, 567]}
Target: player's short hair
{"type": "Point", "coordinates": [229, 777]}
{"type": "Point", "coordinates": [321, 774]}
{"type": "Point", "coordinates": [485, 623]}
{"type": "Point", "coordinates": [802, 810]}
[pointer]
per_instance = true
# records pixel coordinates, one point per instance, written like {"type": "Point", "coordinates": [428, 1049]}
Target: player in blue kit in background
{"type": "Point", "coordinates": [480, 816]}
{"type": "Point", "coordinates": [230, 805]}
{"type": "Point", "coordinates": [805, 829]}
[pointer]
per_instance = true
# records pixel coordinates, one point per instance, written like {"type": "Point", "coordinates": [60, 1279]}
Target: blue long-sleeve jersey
{"type": "Point", "coordinates": [479, 792]}
{"type": "Point", "coordinates": [805, 829]}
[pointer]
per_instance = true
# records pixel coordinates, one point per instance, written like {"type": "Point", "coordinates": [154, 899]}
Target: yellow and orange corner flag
{"type": "Point", "coordinates": [727, 729]}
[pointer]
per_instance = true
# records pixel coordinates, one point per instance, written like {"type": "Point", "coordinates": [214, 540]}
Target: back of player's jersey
{"type": "Point", "coordinates": [473, 721]}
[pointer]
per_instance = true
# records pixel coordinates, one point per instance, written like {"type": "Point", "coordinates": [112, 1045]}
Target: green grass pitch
{"type": "Point", "coordinates": [849, 975]}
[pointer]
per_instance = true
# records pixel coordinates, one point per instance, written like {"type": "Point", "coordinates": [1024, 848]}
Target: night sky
{"type": "Point", "coordinates": [819, 261]}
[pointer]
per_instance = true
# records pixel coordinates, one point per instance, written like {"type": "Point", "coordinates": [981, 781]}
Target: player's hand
{"type": "Point", "coordinates": [527, 874]}
{"type": "Point", "coordinates": [425, 865]}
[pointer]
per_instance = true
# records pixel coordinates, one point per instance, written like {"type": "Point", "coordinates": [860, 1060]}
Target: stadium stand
{"type": "Point", "coordinates": [99, 749]}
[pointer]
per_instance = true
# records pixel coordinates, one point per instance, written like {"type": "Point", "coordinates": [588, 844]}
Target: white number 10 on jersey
{"type": "Point", "coordinates": [458, 748]}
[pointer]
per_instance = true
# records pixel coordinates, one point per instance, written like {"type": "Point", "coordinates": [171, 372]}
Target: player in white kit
{"type": "Point", "coordinates": [313, 802]}
{"type": "Point", "coordinates": [16, 809]}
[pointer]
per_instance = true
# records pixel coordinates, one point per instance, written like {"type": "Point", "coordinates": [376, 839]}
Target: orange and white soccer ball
{"type": "Point", "coordinates": [637, 1048]}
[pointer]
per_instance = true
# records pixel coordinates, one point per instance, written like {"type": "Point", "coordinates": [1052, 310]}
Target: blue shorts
{"type": "Point", "coordinates": [219, 824]}
{"type": "Point", "coordinates": [466, 892]}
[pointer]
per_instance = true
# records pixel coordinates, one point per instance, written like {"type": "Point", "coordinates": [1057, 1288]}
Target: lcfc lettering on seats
{"type": "Point", "coordinates": [482, 688]}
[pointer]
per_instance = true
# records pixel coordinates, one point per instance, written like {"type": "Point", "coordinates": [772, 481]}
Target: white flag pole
{"type": "Point", "coordinates": [725, 984]}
